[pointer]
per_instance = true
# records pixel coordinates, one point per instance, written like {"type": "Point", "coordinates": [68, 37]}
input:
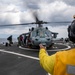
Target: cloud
{"type": "Point", "coordinates": [56, 11]}
{"type": "Point", "coordinates": [10, 1]}
{"type": "Point", "coordinates": [69, 2]}
{"type": "Point", "coordinates": [20, 11]}
{"type": "Point", "coordinates": [62, 30]}
{"type": "Point", "coordinates": [15, 31]}
{"type": "Point", "coordinates": [52, 11]}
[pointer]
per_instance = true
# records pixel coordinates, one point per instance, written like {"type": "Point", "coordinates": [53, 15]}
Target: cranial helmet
{"type": "Point", "coordinates": [71, 33]}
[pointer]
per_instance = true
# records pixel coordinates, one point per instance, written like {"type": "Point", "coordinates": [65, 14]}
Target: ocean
{"type": "Point", "coordinates": [4, 40]}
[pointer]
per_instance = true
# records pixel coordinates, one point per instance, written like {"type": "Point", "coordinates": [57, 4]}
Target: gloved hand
{"type": "Point", "coordinates": [42, 47]}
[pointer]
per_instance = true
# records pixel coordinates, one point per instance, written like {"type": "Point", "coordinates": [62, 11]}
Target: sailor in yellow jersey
{"type": "Point", "coordinates": [62, 62]}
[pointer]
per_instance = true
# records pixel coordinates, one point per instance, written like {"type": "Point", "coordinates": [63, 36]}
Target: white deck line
{"type": "Point", "coordinates": [10, 52]}
{"type": "Point", "coordinates": [68, 47]}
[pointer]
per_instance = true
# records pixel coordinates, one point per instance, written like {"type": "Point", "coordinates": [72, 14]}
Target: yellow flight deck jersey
{"type": "Point", "coordinates": [61, 63]}
{"type": "Point", "coordinates": [46, 61]}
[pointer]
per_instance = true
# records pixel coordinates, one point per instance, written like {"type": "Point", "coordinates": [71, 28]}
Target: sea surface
{"type": "Point", "coordinates": [4, 40]}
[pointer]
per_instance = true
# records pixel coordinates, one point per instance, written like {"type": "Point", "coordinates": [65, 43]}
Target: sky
{"type": "Point", "coordinates": [21, 11]}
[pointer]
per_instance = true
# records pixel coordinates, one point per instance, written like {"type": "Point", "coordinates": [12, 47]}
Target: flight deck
{"type": "Point", "coordinates": [16, 60]}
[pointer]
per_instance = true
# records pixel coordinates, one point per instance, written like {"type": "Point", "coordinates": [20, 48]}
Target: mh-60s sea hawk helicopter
{"type": "Point", "coordinates": [37, 35]}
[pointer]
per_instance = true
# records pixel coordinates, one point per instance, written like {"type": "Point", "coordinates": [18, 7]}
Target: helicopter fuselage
{"type": "Point", "coordinates": [40, 35]}
{"type": "Point", "coordinates": [36, 36]}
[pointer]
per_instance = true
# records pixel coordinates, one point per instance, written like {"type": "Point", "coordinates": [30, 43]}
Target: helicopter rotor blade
{"type": "Point", "coordinates": [58, 22]}
{"type": "Point", "coordinates": [39, 22]}
{"type": "Point", "coordinates": [35, 15]}
{"type": "Point", "coordinates": [17, 24]}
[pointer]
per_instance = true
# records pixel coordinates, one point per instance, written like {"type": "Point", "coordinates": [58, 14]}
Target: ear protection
{"type": "Point", "coordinates": [71, 33]}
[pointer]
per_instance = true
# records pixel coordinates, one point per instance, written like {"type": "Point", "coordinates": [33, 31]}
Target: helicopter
{"type": "Point", "coordinates": [37, 35]}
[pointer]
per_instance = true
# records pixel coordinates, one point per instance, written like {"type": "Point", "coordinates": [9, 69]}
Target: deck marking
{"type": "Point", "coordinates": [68, 47]}
{"type": "Point", "coordinates": [10, 52]}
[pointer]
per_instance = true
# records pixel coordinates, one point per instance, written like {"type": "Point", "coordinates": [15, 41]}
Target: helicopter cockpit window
{"type": "Point", "coordinates": [43, 33]}
{"type": "Point", "coordinates": [34, 34]}
{"type": "Point", "coordinates": [47, 33]}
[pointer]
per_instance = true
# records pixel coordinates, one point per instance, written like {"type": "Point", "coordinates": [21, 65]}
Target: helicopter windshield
{"type": "Point", "coordinates": [41, 33]}
{"type": "Point", "coordinates": [47, 33]}
{"type": "Point", "coordinates": [34, 34]}
{"type": "Point", "coordinates": [44, 33]}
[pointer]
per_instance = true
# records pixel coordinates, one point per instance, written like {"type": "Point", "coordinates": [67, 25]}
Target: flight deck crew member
{"type": "Point", "coordinates": [62, 62]}
{"type": "Point", "coordinates": [73, 20]}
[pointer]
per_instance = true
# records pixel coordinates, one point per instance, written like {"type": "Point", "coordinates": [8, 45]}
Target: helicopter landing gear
{"type": "Point", "coordinates": [30, 46]}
